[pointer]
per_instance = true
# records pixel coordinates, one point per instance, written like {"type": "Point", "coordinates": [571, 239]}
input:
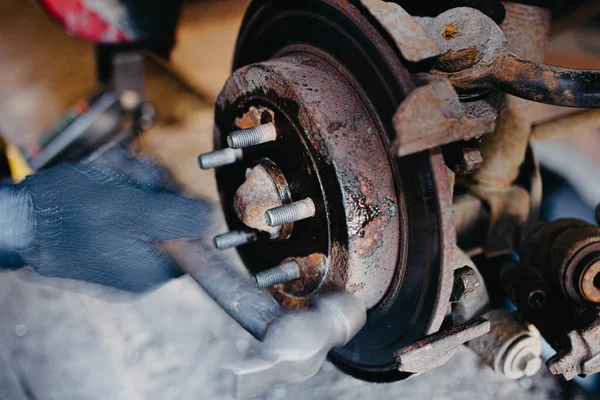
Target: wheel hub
{"type": "Point", "coordinates": [328, 149]}
{"type": "Point", "coordinates": [377, 229]}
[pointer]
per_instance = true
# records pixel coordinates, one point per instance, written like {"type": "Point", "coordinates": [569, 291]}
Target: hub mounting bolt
{"type": "Point", "coordinates": [234, 239]}
{"type": "Point", "coordinates": [219, 158]}
{"type": "Point", "coordinates": [289, 213]}
{"type": "Point", "coordinates": [252, 136]}
{"type": "Point", "coordinates": [290, 271]}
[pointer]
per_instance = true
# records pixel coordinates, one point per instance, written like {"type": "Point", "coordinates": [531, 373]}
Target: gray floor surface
{"type": "Point", "coordinates": [63, 340]}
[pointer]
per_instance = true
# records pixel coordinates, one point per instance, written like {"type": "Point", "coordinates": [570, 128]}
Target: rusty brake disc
{"type": "Point", "coordinates": [330, 80]}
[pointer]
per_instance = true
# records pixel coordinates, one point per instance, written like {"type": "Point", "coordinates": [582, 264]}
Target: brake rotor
{"type": "Point", "coordinates": [330, 80]}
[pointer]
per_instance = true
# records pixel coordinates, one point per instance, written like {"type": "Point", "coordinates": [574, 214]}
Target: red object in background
{"type": "Point", "coordinates": [106, 21]}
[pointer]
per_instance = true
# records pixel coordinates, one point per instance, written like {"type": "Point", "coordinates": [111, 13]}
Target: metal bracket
{"type": "Point", "coordinates": [583, 357]}
{"type": "Point", "coordinates": [437, 349]}
{"type": "Point", "coordinates": [433, 115]}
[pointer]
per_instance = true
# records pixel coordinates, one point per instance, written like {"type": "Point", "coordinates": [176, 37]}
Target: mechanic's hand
{"type": "Point", "coordinates": [94, 223]}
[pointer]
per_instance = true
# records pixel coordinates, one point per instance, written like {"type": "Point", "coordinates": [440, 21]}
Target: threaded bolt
{"type": "Point", "coordinates": [289, 271]}
{"type": "Point", "coordinates": [234, 239]}
{"type": "Point", "coordinates": [219, 158]}
{"type": "Point", "coordinates": [252, 136]}
{"type": "Point", "coordinates": [289, 213]}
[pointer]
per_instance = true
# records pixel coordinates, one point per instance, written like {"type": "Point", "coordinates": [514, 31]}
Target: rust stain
{"type": "Point", "coordinates": [590, 283]}
{"type": "Point", "coordinates": [455, 61]}
{"type": "Point", "coordinates": [369, 215]}
{"type": "Point", "coordinates": [451, 32]}
{"type": "Point", "coordinates": [288, 302]}
{"type": "Point", "coordinates": [257, 194]}
{"type": "Point", "coordinates": [296, 295]}
{"type": "Point", "coordinates": [255, 116]}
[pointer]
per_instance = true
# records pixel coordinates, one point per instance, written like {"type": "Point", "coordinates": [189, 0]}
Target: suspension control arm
{"type": "Point", "coordinates": [476, 58]}
{"type": "Point", "coordinates": [536, 82]}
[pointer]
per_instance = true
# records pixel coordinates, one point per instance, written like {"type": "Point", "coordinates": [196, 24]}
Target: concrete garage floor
{"type": "Point", "coordinates": [62, 340]}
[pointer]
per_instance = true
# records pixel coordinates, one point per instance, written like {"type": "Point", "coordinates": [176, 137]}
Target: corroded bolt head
{"type": "Point", "coordinates": [470, 161]}
{"type": "Point", "coordinates": [466, 282]}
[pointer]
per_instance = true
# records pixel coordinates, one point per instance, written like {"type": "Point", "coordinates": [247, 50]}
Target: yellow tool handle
{"type": "Point", "coordinates": [19, 168]}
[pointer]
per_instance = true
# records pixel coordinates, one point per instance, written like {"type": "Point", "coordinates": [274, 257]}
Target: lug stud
{"type": "Point", "coordinates": [289, 271]}
{"type": "Point", "coordinates": [252, 136]}
{"type": "Point", "coordinates": [234, 239]}
{"type": "Point", "coordinates": [289, 213]}
{"type": "Point", "coordinates": [219, 158]}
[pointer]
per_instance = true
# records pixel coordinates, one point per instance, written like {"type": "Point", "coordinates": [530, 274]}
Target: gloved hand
{"type": "Point", "coordinates": [92, 222]}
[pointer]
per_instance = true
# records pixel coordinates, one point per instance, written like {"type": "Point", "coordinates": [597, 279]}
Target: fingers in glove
{"type": "Point", "coordinates": [141, 168]}
{"type": "Point", "coordinates": [169, 216]}
{"type": "Point", "coordinates": [132, 266]}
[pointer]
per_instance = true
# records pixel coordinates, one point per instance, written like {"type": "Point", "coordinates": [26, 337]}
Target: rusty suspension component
{"type": "Point", "coordinates": [536, 82]}
{"type": "Point", "coordinates": [478, 58]}
{"type": "Point", "coordinates": [339, 127]}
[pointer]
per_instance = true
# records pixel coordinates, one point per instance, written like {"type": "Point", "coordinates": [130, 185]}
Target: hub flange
{"type": "Point", "coordinates": [333, 80]}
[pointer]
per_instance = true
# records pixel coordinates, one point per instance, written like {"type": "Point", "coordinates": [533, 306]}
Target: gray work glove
{"type": "Point", "coordinates": [95, 223]}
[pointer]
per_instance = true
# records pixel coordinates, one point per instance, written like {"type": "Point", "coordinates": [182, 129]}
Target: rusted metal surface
{"type": "Point", "coordinates": [414, 44]}
{"type": "Point", "coordinates": [255, 116]}
{"type": "Point", "coordinates": [510, 206]}
{"type": "Point", "coordinates": [253, 308]}
{"type": "Point", "coordinates": [451, 32]}
{"type": "Point", "coordinates": [566, 252]}
{"type": "Point", "coordinates": [352, 41]}
{"type": "Point", "coordinates": [477, 57]}
{"type": "Point", "coordinates": [295, 295]}
{"type": "Point", "coordinates": [572, 124]}
{"type": "Point", "coordinates": [478, 302]}
{"type": "Point", "coordinates": [437, 349]}
{"type": "Point", "coordinates": [495, 222]}
{"type": "Point", "coordinates": [526, 28]}
{"type": "Point", "coordinates": [463, 158]}
{"type": "Point", "coordinates": [511, 348]}
{"type": "Point", "coordinates": [465, 32]}
{"type": "Point", "coordinates": [470, 221]}
{"type": "Point", "coordinates": [466, 283]}
{"type": "Point", "coordinates": [471, 161]}
{"type": "Point", "coordinates": [582, 357]}
{"type": "Point", "coordinates": [536, 82]}
{"type": "Point", "coordinates": [503, 151]}
{"type": "Point", "coordinates": [368, 198]}
{"type": "Point", "coordinates": [509, 210]}
{"type": "Point", "coordinates": [445, 282]}
{"type": "Point", "coordinates": [432, 115]}
{"type": "Point", "coordinates": [455, 61]}
{"type": "Point", "coordinates": [590, 283]}
{"type": "Point", "coordinates": [265, 188]}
